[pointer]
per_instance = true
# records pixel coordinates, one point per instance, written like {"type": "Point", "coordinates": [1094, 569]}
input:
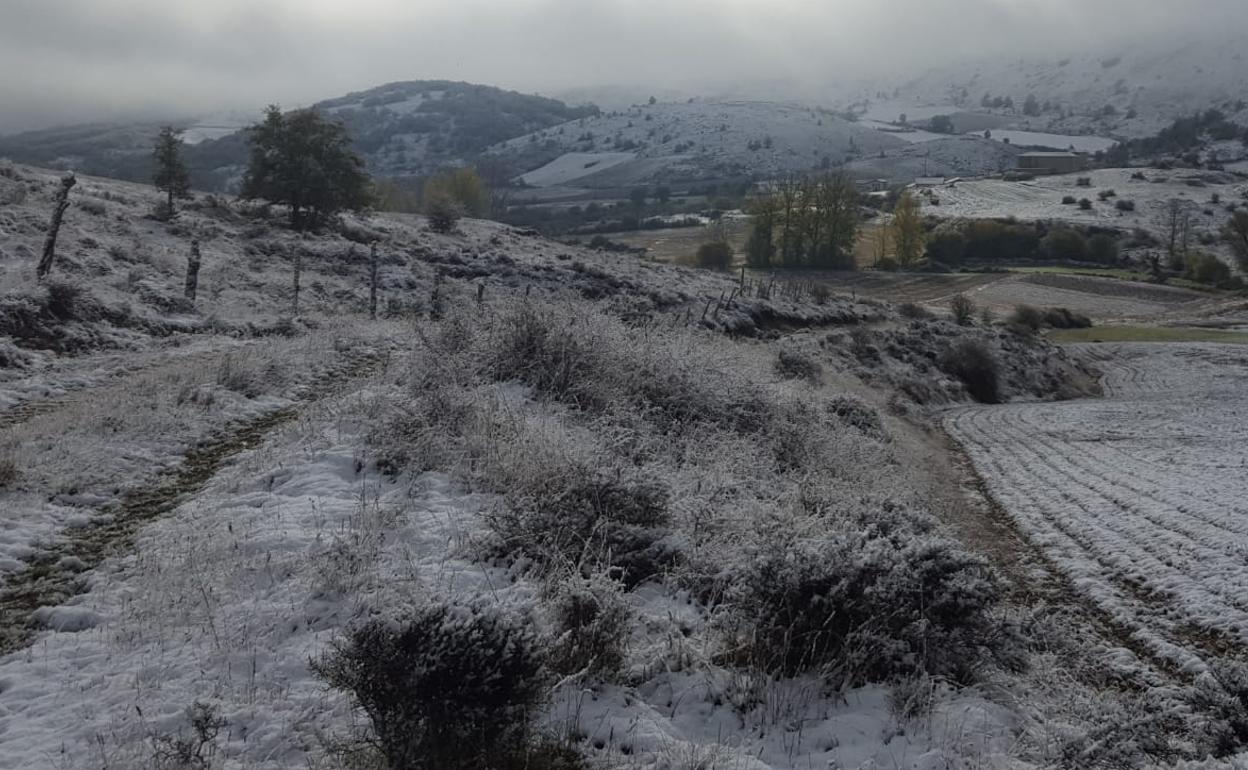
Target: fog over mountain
{"type": "Point", "coordinates": [82, 60]}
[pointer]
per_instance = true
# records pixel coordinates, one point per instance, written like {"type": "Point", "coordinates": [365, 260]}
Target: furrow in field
{"type": "Point", "coordinates": [1138, 497]}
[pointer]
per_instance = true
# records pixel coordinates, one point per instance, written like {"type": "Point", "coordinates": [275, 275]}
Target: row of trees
{"type": "Point", "coordinates": [805, 222]}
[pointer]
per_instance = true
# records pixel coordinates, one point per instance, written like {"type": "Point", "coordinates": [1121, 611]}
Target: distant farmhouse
{"type": "Point", "coordinates": [1052, 162]}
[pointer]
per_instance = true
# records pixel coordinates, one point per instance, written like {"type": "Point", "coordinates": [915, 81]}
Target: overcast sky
{"type": "Point", "coordinates": [75, 60]}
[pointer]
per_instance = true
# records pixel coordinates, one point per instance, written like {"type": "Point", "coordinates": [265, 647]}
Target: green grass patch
{"type": "Point", "coordinates": [1147, 334]}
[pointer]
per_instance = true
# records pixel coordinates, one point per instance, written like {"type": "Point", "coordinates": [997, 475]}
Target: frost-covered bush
{"type": "Point", "coordinates": [13, 357]}
{"type": "Point", "coordinates": [591, 624]}
{"type": "Point", "coordinates": [962, 308]}
{"type": "Point", "coordinates": [447, 686]}
{"type": "Point", "coordinates": [1062, 318]}
{"type": "Point", "coordinates": [234, 373]}
{"type": "Point", "coordinates": [64, 300]}
{"type": "Point", "coordinates": [1221, 697]}
{"type": "Point", "coordinates": [974, 363]}
{"type": "Point", "coordinates": [914, 311]}
{"type": "Point", "coordinates": [1026, 319]}
{"type": "Point", "coordinates": [9, 473]}
{"type": "Point", "coordinates": [93, 207]}
{"type": "Point", "coordinates": [595, 363]}
{"type": "Point", "coordinates": [794, 365]}
{"type": "Point", "coordinates": [549, 354]}
{"type": "Point", "coordinates": [575, 513]}
{"type": "Point", "coordinates": [857, 414]}
{"type": "Point", "coordinates": [873, 598]}
{"type": "Point", "coordinates": [193, 751]}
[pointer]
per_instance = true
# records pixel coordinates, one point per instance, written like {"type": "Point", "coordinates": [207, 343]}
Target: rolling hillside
{"type": "Point", "coordinates": [1131, 91]}
{"type": "Point", "coordinates": [401, 129]}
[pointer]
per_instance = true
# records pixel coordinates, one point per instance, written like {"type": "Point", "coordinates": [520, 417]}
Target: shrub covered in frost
{"type": "Point", "coordinates": [448, 686]}
{"type": "Point", "coordinates": [1221, 697]}
{"type": "Point", "coordinates": [864, 602]}
{"type": "Point", "coordinates": [593, 362]}
{"type": "Point", "coordinates": [856, 413]}
{"type": "Point", "coordinates": [972, 362]}
{"type": "Point", "coordinates": [578, 514]}
{"type": "Point", "coordinates": [796, 365]}
{"type": "Point", "coordinates": [1062, 318]}
{"type": "Point", "coordinates": [591, 624]}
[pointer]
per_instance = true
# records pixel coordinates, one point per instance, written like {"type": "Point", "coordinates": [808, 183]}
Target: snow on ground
{"type": "Point", "coordinates": [225, 600]}
{"type": "Point", "coordinates": [115, 432]}
{"type": "Point", "coordinates": [573, 166]}
{"type": "Point", "coordinates": [1086, 295]}
{"type": "Point", "coordinates": [912, 135]}
{"type": "Point", "coordinates": [709, 139]}
{"type": "Point", "coordinates": [1089, 144]}
{"type": "Point", "coordinates": [1137, 497]}
{"type": "Point", "coordinates": [1041, 198]}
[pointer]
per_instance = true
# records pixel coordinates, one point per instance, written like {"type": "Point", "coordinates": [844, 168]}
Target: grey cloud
{"type": "Point", "coordinates": [73, 60]}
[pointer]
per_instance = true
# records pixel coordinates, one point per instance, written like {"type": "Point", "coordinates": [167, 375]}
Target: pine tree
{"type": "Point", "coordinates": [305, 162]}
{"type": "Point", "coordinates": [170, 175]}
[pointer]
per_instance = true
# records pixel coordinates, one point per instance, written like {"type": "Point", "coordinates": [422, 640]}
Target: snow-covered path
{"type": "Point", "coordinates": [1140, 498]}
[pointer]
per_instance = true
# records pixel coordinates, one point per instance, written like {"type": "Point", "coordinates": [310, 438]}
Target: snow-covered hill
{"type": "Point", "coordinates": [1129, 91]}
{"type": "Point", "coordinates": [689, 142]}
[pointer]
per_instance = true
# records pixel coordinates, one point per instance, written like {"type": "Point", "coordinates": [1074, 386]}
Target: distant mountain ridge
{"type": "Point", "coordinates": [400, 129]}
{"type": "Point", "coordinates": [1126, 91]}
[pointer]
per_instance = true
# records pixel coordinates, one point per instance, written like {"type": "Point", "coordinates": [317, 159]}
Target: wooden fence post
{"type": "Point", "coordinates": [54, 227]}
{"type": "Point", "coordinates": [192, 271]}
{"type": "Point", "coordinates": [372, 282]}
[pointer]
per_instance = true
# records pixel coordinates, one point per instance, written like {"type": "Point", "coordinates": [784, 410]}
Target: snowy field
{"type": "Point", "coordinates": [1090, 144]}
{"type": "Point", "coordinates": [1139, 498]}
{"type": "Point", "coordinates": [573, 166]}
{"type": "Point", "coordinates": [1041, 198]}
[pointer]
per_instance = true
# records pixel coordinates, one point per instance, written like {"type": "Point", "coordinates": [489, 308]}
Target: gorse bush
{"type": "Point", "coordinates": [963, 309]}
{"type": "Point", "coordinates": [593, 366]}
{"type": "Point", "coordinates": [591, 624]}
{"type": "Point", "coordinates": [1026, 319]}
{"type": "Point", "coordinates": [856, 413]}
{"type": "Point", "coordinates": [1061, 318]}
{"type": "Point", "coordinates": [65, 300]}
{"type": "Point", "coordinates": [446, 686]}
{"type": "Point", "coordinates": [972, 362]}
{"type": "Point", "coordinates": [914, 311]}
{"type": "Point", "coordinates": [869, 600]}
{"type": "Point", "coordinates": [572, 513]}
{"type": "Point", "coordinates": [796, 365]}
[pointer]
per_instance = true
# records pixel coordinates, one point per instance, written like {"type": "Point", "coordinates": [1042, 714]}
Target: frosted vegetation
{"type": "Point", "coordinates": [555, 508]}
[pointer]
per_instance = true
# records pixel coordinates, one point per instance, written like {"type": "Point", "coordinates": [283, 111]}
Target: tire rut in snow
{"type": "Point", "coordinates": [45, 583]}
